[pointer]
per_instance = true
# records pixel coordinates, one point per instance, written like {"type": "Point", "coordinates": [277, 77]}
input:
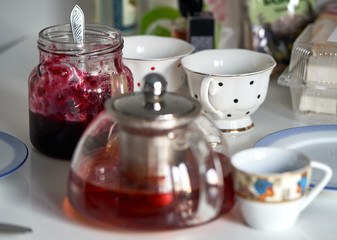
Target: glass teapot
{"type": "Point", "coordinates": [145, 162]}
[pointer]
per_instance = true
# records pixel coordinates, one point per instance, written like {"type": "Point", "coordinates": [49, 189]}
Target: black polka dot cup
{"type": "Point", "coordinates": [271, 185]}
{"type": "Point", "coordinates": [231, 84]}
{"type": "Point", "coordinates": [147, 54]}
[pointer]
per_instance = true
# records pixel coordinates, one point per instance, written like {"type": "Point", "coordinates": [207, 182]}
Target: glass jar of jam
{"type": "Point", "coordinates": [71, 83]}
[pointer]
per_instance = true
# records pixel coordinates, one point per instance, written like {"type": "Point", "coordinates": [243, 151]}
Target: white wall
{"type": "Point", "coordinates": [22, 18]}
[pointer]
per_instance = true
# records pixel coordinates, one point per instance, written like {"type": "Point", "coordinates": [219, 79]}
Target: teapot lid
{"type": "Point", "coordinates": [154, 108]}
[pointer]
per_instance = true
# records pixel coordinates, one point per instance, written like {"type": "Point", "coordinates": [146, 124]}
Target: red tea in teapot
{"type": "Point", "coordinates": [101, 193]}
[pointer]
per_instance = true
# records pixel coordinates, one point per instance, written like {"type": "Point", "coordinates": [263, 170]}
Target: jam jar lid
{"type": "Point", "coordinates": [153, 108]}
{"type": "Point", "coordinates": [99, 39]}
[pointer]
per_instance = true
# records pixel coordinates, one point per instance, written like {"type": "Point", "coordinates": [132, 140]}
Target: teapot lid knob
{"type": "Point", "coordinates": [153, 107]}
{"type": "Point", "coordinates": [154, 87]}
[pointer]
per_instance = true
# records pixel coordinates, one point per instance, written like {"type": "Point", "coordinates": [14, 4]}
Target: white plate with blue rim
{"type": "Point", "coordinates": [318, 142]}
{"type": "Point", "coordinates": [13, 154]}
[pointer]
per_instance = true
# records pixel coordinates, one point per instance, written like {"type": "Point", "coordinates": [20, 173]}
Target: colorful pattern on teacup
{"type": "Point", "coordinates": [272, 189]}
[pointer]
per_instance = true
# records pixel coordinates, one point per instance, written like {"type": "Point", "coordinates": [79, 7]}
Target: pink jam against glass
{"type": "Point", "coordinates": [63, 99]}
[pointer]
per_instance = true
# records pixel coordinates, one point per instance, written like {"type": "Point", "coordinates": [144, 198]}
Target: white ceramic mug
{"type": "Point", "coordinates": [230, 84]}
{"type": "Point", "coordinates": [146, 54]}
{"type": "Point", "coordinates": [272, 184]}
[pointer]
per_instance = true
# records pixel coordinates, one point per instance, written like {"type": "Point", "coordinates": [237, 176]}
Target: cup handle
{"type": "Point", "coordinates": [320, 185]}
{"type": "Point", "coordinates": [205, 89]}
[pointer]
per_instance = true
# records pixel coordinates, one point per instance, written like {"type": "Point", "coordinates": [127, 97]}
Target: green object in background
{"type": "Point", "coordinates": [269, 11]}
{"type": "Point", "coordinates": [158, 21]}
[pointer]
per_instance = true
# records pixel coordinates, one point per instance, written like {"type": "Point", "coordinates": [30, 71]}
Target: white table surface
{"type": "Point", "coordinates": [35, 195]}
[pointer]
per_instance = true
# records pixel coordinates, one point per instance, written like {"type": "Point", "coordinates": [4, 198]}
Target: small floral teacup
{"type": "Point", "coordinates": [272, 184]}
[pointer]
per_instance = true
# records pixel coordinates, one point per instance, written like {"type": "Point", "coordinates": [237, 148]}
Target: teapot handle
{"type": "Point", "coordinates": [211, 185]}
{"type": "Point", "coordinates": [205, 210]}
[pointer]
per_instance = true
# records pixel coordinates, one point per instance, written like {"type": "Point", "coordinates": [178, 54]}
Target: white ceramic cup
{"type": "Point", "coordinates": [146, 54]}
{"type": "Point", "coordinates": [272, 184]}
{"type": "Point", "coordinates": [230, 84]}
